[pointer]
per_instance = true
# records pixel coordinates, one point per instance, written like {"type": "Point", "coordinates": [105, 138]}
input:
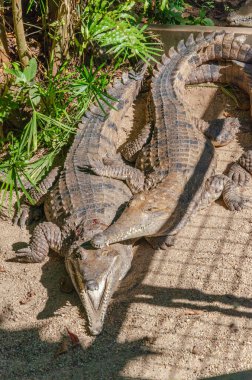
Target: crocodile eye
{"type": "Point", "coordinates": [152, 209]}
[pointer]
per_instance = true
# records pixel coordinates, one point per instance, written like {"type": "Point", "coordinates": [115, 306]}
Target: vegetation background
{"type": "Point", "coordinates": [56, 59]}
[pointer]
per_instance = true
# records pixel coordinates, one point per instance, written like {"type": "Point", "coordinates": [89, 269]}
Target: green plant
{"type": "Point", "coordinates": [200, 20]}
{"type": "Point", "coordinates": [173, 12]}
{"type": "Point", "coordinates": [89, 87]}
{"type": "Point", "coordinates": [115, 28]}
{"type": "Point", "coordinates": [39, 109]}
{"type": "Point", "coordinates": [165, 11]}
{"type": "Point", "coordinates": [55, 107]}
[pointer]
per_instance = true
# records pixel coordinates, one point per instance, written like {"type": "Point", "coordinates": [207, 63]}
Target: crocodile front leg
{"type": "Point", "coordinates": [109, 167]}
{"type": "Point", "coordinates": [221, 184]}
{"type": "Point", "coordinates": [220, 131]}
{"type": "Point", "coordinates": [37, 195]}
{"type": "Point", "coordinates": [240, 172]}
{"type": "Point", "coordinates": [215, 187]}
{"type": "Point", "coordinates": [45, 236]}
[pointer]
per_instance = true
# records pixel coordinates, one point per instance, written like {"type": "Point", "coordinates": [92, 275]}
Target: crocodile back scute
{"type": "Point", "coordinates": [81, 197]}
{"type": "Point", "coordinates": [176, 144]}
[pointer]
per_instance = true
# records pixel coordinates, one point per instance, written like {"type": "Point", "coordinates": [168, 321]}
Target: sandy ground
{"type": "Point", "coordinates": [184, 313]}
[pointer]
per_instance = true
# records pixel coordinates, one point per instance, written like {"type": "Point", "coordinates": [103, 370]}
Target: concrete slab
{"type": "Point", "coordinates": [171, 34]}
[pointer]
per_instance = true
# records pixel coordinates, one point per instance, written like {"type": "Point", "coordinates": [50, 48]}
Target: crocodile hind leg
{"type": "Point", "coordinates": [37, 194]}
{"type": "Point", "coordinates": [45, 236]}
{"type": "Point", "coordinates": [161, 242]}
{"type": "Point", "coordinates": [222, 185]}
{"type": "Point", "coordinates": [220, 131]}
{"type": "Point", "coordinates": [240, 172]}
{"type": "Point", "coordinates": [130, 149]}
{"type": "Point", "coordinates": [215, 186]}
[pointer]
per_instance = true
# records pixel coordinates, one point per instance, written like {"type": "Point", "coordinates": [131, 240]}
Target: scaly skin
{"type": "Point", "coordinates": [242, 17]}
{"type": "Point", "coordinates": [181, 157]}
{"type": "Point", "coordinates": [80, 204]}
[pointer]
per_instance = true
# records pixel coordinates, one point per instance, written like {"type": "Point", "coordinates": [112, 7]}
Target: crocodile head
{"type": "Point", "coordinates": [96, 275]}
{"type": "Point", "coordinates": [242, 17]}
{"type": "Point", "coordinates": [146, 215]}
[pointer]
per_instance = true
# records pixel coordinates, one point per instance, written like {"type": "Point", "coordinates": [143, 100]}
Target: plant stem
{"type": "Point", "coordinates": [4, 54]}
{"type": "Point", "coordinates": [19, 32]}
{"type": "Point", "coordinates": [63, 32]}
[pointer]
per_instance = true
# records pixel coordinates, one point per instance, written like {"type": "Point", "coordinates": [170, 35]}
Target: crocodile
{"type": "Point", "coordinates": [239, 74]}
{"type": "Point", "coordinates": [79, 204]}
{"type": "Point", "coordinates": [243, 16]}
{"type": "Point", "coordinates": [180, 158]}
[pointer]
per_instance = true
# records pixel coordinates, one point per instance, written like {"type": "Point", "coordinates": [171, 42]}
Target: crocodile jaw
{"type": "Point", "coordinates": [96, 276]}
{"type": "Point", "coordinates": [240, 21]}
{"type": "Point", "coordinates": [242, 17]}
{"type": "Point", "coordinates": [141, 218]}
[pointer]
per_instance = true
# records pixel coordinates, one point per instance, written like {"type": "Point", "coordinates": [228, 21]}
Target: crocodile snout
{"type": "Point", "coordinates": [99, 241]}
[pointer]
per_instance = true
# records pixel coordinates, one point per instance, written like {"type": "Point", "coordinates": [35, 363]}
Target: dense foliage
{"type": "Point", "coordinates": [58, 57]}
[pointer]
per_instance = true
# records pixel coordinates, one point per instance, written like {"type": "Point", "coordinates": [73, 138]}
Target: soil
{"type": "Point", "coordinates": [180, 314]}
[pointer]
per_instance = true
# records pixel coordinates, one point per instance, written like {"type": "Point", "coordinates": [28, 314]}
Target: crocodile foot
{"type": "Point", "coordinates": [222, 131]}
{"type": "Point", "coordinates": [112, 168]}
{"type": "Point", "coordinates": [239, 175]}
{"type": "Point", "coordinates": [233, 200]}
{"type": "Point", "coordinates": [22, 216]}
{"type": "Point", "coordinates": [237, 203]}
{"type": "Point", "coordinates": [24, 255]}
{"type": "Point", "coordinates": [161, 242]}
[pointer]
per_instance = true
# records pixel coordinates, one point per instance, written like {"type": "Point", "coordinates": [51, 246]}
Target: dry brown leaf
{"type": "Point", "coordinates": [74, 338]}
{"type": "Point", "coordinates": [63, 348]}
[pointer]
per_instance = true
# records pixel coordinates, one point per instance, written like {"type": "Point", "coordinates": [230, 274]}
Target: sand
{"type": "Point", "coordinates": [180, 314]}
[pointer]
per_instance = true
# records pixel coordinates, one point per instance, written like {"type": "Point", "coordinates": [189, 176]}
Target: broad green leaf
{"type": "Point", "coordinates": [31, 70]}
{"type": "Point", "coordinates": [34, 95]}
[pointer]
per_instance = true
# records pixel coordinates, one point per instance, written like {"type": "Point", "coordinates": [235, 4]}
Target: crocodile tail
{"type": "Point", "coordinates": [194, 52]}
{"type": "Point", "coordinates": [119, 99]}
{"type": "Point", "coordinates": [234, 72]}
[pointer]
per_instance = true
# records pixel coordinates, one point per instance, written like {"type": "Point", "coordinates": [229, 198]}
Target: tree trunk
{"type": "Point", "coordinates": [62, 14]}
{"type": "Point", "coordinates": [4, 54]}
{"type": "Point", "coordinates": [19, 32]}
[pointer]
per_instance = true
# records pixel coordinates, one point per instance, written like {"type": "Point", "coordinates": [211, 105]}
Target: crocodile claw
{"type": "Point", "coordinates": [161, 242]}
{"type": "Point", "coordinates": [240, 203]}
{"type": "Point", "coordinates": [25, 255]}
{"type": "Point", "coordinates": [22, 216]}
{"type": "Point", "coordinates": [95, 166]}
{"type": "Point", "coordinates": [239, 175]}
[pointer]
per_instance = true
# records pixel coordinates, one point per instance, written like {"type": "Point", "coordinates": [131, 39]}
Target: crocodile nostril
{"type": "Point", "coordinates": [92, 285]}
{"type": "Point", "coordinates": [98, 241]}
